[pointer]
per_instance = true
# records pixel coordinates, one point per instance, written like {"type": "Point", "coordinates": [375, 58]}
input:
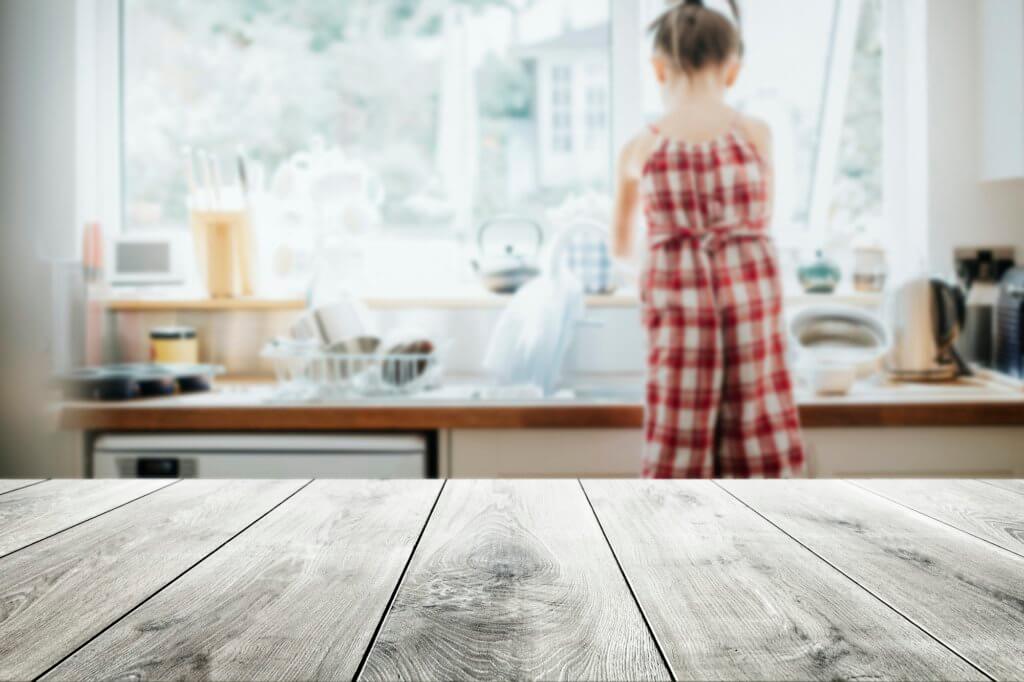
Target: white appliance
{"type": "Point", "coordinates": [261, 456]}
{"type": "Point", "coordinates": [148, 258]}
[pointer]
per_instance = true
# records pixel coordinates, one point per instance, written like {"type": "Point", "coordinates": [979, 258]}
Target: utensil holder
{"type": "Point", "coordinates": [223, 241]}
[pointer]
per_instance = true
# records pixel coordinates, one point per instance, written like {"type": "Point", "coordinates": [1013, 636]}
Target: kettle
{"type": "Point", "coordinates": [925, 316]}
{"type": "Point", "coordinates": [505, 270]}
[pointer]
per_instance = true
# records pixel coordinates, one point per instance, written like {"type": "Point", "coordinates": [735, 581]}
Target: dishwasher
{"type": "Point", "coordinates": [264, 456]}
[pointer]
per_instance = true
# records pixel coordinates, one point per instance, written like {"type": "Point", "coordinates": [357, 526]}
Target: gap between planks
{"type": "Point", "coordinates": [908, 507]}
{"type": "Point", "coordinates": [28, 484]}
{"type": "Point", "coordinates": [398, 585]}
{"type": "Point", "coordinates": [170, 582]}
{"type": "Point", "coordinates": [87, 520]}
{"type": "Point", "coordinates": [415, 547]}
{"type": "Point", "coordinates": [860, 585]}
{"type": "Point", "coordinates": [629, 585]}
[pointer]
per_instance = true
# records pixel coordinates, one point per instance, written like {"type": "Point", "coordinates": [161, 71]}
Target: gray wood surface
{"type": "Point", "coordinates": [992, 513]}
{"type": "Point", "coordinates": [729, 596]}
{"type": "Point", "coordinates": [962, 590]}
{"type": "Point", "coordinates": [513, 580]}
{"type": "Point", "coordinates": [297, 596]}
{"type": "Point", "coordinates": [1016, 485]}
{"type": "Point", "coordinates": [33, 513]}
{"type": "Point", "coordinates": [9, 484]}
{"type": "Point", "coordinates": [59, 593]}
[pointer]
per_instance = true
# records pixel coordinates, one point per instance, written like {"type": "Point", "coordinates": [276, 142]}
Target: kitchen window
{"type": "Point", "coordinates": [461, 110]}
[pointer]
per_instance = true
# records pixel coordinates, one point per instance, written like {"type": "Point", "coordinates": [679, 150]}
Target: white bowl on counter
{"type": "Point", "coordinates": [831, 379]}
{"type": "Point", "coordinates": [837, 345]}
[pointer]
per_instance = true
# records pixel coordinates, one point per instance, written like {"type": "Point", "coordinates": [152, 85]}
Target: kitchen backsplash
{"type": "Point", "coordinates": [610, 343]}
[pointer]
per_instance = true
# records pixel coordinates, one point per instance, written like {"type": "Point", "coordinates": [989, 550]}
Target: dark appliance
{"type": "Point", "coordinates": [1009, 341]}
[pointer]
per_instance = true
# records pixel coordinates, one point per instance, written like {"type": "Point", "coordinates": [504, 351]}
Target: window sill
{"type": "Point", "coordinates": [626, 299]}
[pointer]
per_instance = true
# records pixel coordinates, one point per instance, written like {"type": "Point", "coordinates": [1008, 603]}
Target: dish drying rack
{"type": "Point", "coordinates": [307, 372]}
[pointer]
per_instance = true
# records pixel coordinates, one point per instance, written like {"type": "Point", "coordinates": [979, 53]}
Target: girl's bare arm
{"type": "Point", "coordinates": [760, 135]}
{"type": "Point", "coordinates": [627, 194]}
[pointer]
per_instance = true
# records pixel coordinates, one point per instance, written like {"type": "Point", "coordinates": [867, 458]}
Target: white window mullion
{"type": "Point", "coordinates": [905, 135]}
{"type": "Point", "coordinates": [627, 63]}
{"type": "Point", "coordinates": [98, 114]}
{"type": "Point", "coordinates": [837, 88]}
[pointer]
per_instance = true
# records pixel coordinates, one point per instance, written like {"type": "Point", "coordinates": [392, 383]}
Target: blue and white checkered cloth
{"type": "Point", "coordinates": [589, 257]}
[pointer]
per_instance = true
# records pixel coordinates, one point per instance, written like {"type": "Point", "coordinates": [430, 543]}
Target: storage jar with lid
{"type": "Point", "coordinates": [174, 345]}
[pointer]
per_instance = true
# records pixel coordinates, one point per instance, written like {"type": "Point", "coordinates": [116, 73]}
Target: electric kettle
{"type": "Point", "coordinates": [925, 315]}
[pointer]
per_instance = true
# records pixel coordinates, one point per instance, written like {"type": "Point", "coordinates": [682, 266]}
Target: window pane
{"type": "Point", "coordinates": [461, 109]}
{"type": "Point", "coordinates": [857, 197]}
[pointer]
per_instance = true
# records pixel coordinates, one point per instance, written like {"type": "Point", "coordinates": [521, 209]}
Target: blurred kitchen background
{"type": "Point", "coordinates": [375, 233]}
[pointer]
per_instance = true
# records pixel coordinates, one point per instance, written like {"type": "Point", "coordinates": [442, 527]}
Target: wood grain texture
{"type": "Point", "coordinates": [57, 594]}
{"type": "Point", "coordinates": [992, 513]}
{"type": "Point", "coordinates": [513, 580]}
{"type": "Point", "coordinates": [962, 590]}
{"type": "Point", "coordinates": [33, 513]}
{"type": "Point", "coordinates": [297, 596]}
{"type": "Point", "coordinates": [718, 583]}
{"type": "Point", "coordinates": [895, 414]}
{"type": "Point", "coordinates": [1015, 485]}
{"type": "Point", "coordinates": [9, 484]}
{"type": "Point", "coordinates": [168, 415]}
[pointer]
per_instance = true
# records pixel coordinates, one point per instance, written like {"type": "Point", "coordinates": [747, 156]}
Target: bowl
{"type": "Point", "coordinates": [832, 379]}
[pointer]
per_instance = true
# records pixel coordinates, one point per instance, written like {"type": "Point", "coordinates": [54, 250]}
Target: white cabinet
{"type": "Point", "coordinates": [961, 452]}
{"type": "Point", "coordinates": [1001, 63]}
{"type": "Point", "coordinates": [543, 453]}
{"type": "Point", "coordinates": [958, 452]}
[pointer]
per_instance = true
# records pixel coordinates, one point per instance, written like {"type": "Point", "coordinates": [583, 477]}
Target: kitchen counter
{"type": "Point", "coordinates": [562, 579]}
{"type": "Point", "coordinates": [252, 407]}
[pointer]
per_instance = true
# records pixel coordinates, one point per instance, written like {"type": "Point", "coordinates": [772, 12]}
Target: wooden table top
{"type": "Point", "coordinates": [559, 579]}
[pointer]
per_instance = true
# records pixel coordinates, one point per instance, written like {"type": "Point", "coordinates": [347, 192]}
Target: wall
{"type": "Point", "coordinates": [962, 210]}
{"type": "Point", "coordinates": [37, 212]}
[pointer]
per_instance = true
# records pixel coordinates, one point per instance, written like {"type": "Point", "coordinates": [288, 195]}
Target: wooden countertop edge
{"type": "Point", "coordinates": [330, 418]}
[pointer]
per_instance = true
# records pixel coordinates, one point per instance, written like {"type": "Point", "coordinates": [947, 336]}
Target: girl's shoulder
{"type": "Point", "coordinates": [638, 150]}
{"type": "Point", "coordinates": [757, 132]}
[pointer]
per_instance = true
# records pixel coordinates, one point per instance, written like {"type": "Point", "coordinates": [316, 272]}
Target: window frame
{"type": "Point", "coordinates": [100, 152]}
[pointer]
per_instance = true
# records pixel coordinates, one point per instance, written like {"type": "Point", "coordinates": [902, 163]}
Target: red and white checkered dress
{"type": "Point", "coordinates": [719, 393]}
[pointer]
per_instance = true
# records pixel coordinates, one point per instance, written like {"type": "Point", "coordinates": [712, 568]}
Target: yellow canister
{"type": "Point", "coordinates": [174, 345]}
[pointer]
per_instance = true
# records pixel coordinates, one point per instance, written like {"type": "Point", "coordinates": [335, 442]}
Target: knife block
{"type": "Point", "coordinates": [223, 242]}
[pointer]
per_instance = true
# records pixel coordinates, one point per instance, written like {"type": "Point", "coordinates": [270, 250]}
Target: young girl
{"type": "Point", "coordinates": [719, 394]}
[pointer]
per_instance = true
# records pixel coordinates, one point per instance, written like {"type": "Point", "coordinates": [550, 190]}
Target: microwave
{"type": "Point", "coordinates": [148, 259]}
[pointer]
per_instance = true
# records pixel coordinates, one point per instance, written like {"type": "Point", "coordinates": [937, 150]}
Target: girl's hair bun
{"type": "Point", "coordinates": [694, 36]}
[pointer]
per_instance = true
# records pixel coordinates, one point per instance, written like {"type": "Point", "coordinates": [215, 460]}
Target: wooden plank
{"type": "Point", "coordinates": [991, 513]}
{"type": "Point", "coordinates": [513, 580]}
{"type": "Point", "coordinates": [297, 596]}
{"type": "Point", "coordinates": [1016, 485]}
{"type": "Point", "coordinates": [962, 590]}
{"type": "Point", "coordinates": [31, 514]}
{"type": "Point", "coordinates": [749, 588]}
{"type": "Point", "coordinates": [9, 484]}
{"type": "Point", "coordinates": [59, 593]}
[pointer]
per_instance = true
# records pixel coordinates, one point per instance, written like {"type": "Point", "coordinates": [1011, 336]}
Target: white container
{"type": "Point", "coordinates": [832, 379]}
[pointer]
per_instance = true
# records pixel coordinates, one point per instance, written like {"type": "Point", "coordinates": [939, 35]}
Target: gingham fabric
{"type": "Point", "coordinates": [719, 393]}
{"type": "Point", "coordinates": [588, 257]}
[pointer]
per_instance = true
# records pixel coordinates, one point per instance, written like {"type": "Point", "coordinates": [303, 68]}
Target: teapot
{"type": "Point", "coordinates": [505, 269]}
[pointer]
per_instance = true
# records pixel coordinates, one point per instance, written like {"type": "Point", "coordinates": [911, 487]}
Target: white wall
{"type": "Point", "coordinates": [962, 210]}
{"type": "Point", "coordinates": [37, 211]}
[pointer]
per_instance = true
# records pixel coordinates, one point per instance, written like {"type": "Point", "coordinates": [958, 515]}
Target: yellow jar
{"type": "Point", "coordinates": [174, 345]}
